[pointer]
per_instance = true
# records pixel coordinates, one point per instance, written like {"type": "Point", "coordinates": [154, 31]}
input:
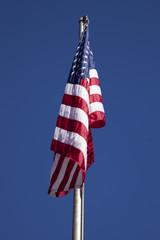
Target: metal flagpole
{"type": "Point", "coordinates": [76, 232]}
{"type": "Point", "coordinates": [84, 21]}
{"type": "Point", "coordinates": [82, 212]}
{"type": "Point", "coordinates": [78, 201]}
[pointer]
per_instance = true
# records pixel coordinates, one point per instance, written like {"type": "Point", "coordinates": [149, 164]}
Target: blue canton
{"type": "Point", "coordinates": [83, 60]}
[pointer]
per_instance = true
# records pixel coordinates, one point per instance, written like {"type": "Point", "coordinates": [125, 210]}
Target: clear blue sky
{"type": "Point", "coordinates": [38, 41]}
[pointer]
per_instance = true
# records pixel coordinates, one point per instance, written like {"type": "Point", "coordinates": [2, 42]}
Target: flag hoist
{"type": "Point", "coordinates": [81, 109]}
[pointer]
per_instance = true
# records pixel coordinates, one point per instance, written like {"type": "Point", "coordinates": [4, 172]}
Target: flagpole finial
{"type": "Point", "coordinates": [85, 18]}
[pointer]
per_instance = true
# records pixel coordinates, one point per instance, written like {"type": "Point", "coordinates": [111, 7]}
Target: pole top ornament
{"type": "Point", "coordinates": [84, 19]}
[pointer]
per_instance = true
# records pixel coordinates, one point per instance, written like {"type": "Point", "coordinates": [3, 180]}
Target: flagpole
{"type": "Point", "coordinates": [76, 231]}
{"type": "Point", "coordinates": [85, 20]}
{"type": "Point", "coordinates": [82, 212]}
{"type": "Point", "coordinates": [78, 199]}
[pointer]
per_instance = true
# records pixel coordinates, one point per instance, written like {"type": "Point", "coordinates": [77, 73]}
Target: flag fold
{"type": "Point", "coordinates": [81, 109]}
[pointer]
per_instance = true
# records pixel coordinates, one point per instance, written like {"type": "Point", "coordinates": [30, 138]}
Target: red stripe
{"type": "Point", "coordinates": [66, 175]}
{"type": "Point", "coordinates": [84, 83]}
{"type": "Point", "coordinates": [94, 81]}
{"type": "Point", "coordinates": [72, 126]}
{"type": "Point", "coordinates": [90, 151]}
{"type": "Point", "coordinates": [74, 179]}
{"type": "Point", "coordinates": [56, 172]}
{"type": "Point", "coordinates": [61, 193]}
{"type": "Point", "coordinates": [74, 101]}
{"type": "Point", "coordinates": [97, 119]}
{"type": "Point", "coordinates": [95, 98]}
{"type": "Point", "coordinates": [68, 151]}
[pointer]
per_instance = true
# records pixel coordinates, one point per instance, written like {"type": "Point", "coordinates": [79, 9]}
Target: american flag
{"type": "Point", "coordinates": [81, 110]}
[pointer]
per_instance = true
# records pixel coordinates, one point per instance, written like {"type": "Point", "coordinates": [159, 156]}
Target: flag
{"type": "Point", "coordinates": [81, 109]}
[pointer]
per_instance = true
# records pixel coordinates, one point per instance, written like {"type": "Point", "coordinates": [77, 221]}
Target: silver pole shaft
{"type": "Point", "coordinates": [85, 20]}
{"type": "Point", "coordinates": [77, 229]}
{"type": "Point", "coordinates": [76, 233]}
{"type": "Point", "coordinates": [80, 27]}
{"type": "Point", "coordinates": [82, 212]}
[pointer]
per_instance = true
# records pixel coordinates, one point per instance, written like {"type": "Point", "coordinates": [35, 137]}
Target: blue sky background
{"type": "Point", "coordinates": [38, 41]}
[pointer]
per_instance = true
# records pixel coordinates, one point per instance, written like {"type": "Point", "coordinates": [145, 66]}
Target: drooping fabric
{"type": "Point", "coordinates": [81, 109]}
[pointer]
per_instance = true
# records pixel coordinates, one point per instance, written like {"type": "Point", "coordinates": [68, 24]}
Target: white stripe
{"type": "Point", "coordinates": [96, 106]}
{"type": "Point", "coordinates": [93, 73]}
{"type": "Point", "coordinates": [74, 114]}
{"type": "Point", "coordinates": [72, 139]}
{"type": "Point", "coordinates": [77, 90]}
{"type": "Point", "coordinates": [71, 176]}
{"type": "Point", "coordinates": [79, 180]}
{"type": "Point", "coordinates": [61, 174]}
{"type": "Point", "coordinates": [54, 165]}
{"type": "Point", "coordinates": [94, 89]}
